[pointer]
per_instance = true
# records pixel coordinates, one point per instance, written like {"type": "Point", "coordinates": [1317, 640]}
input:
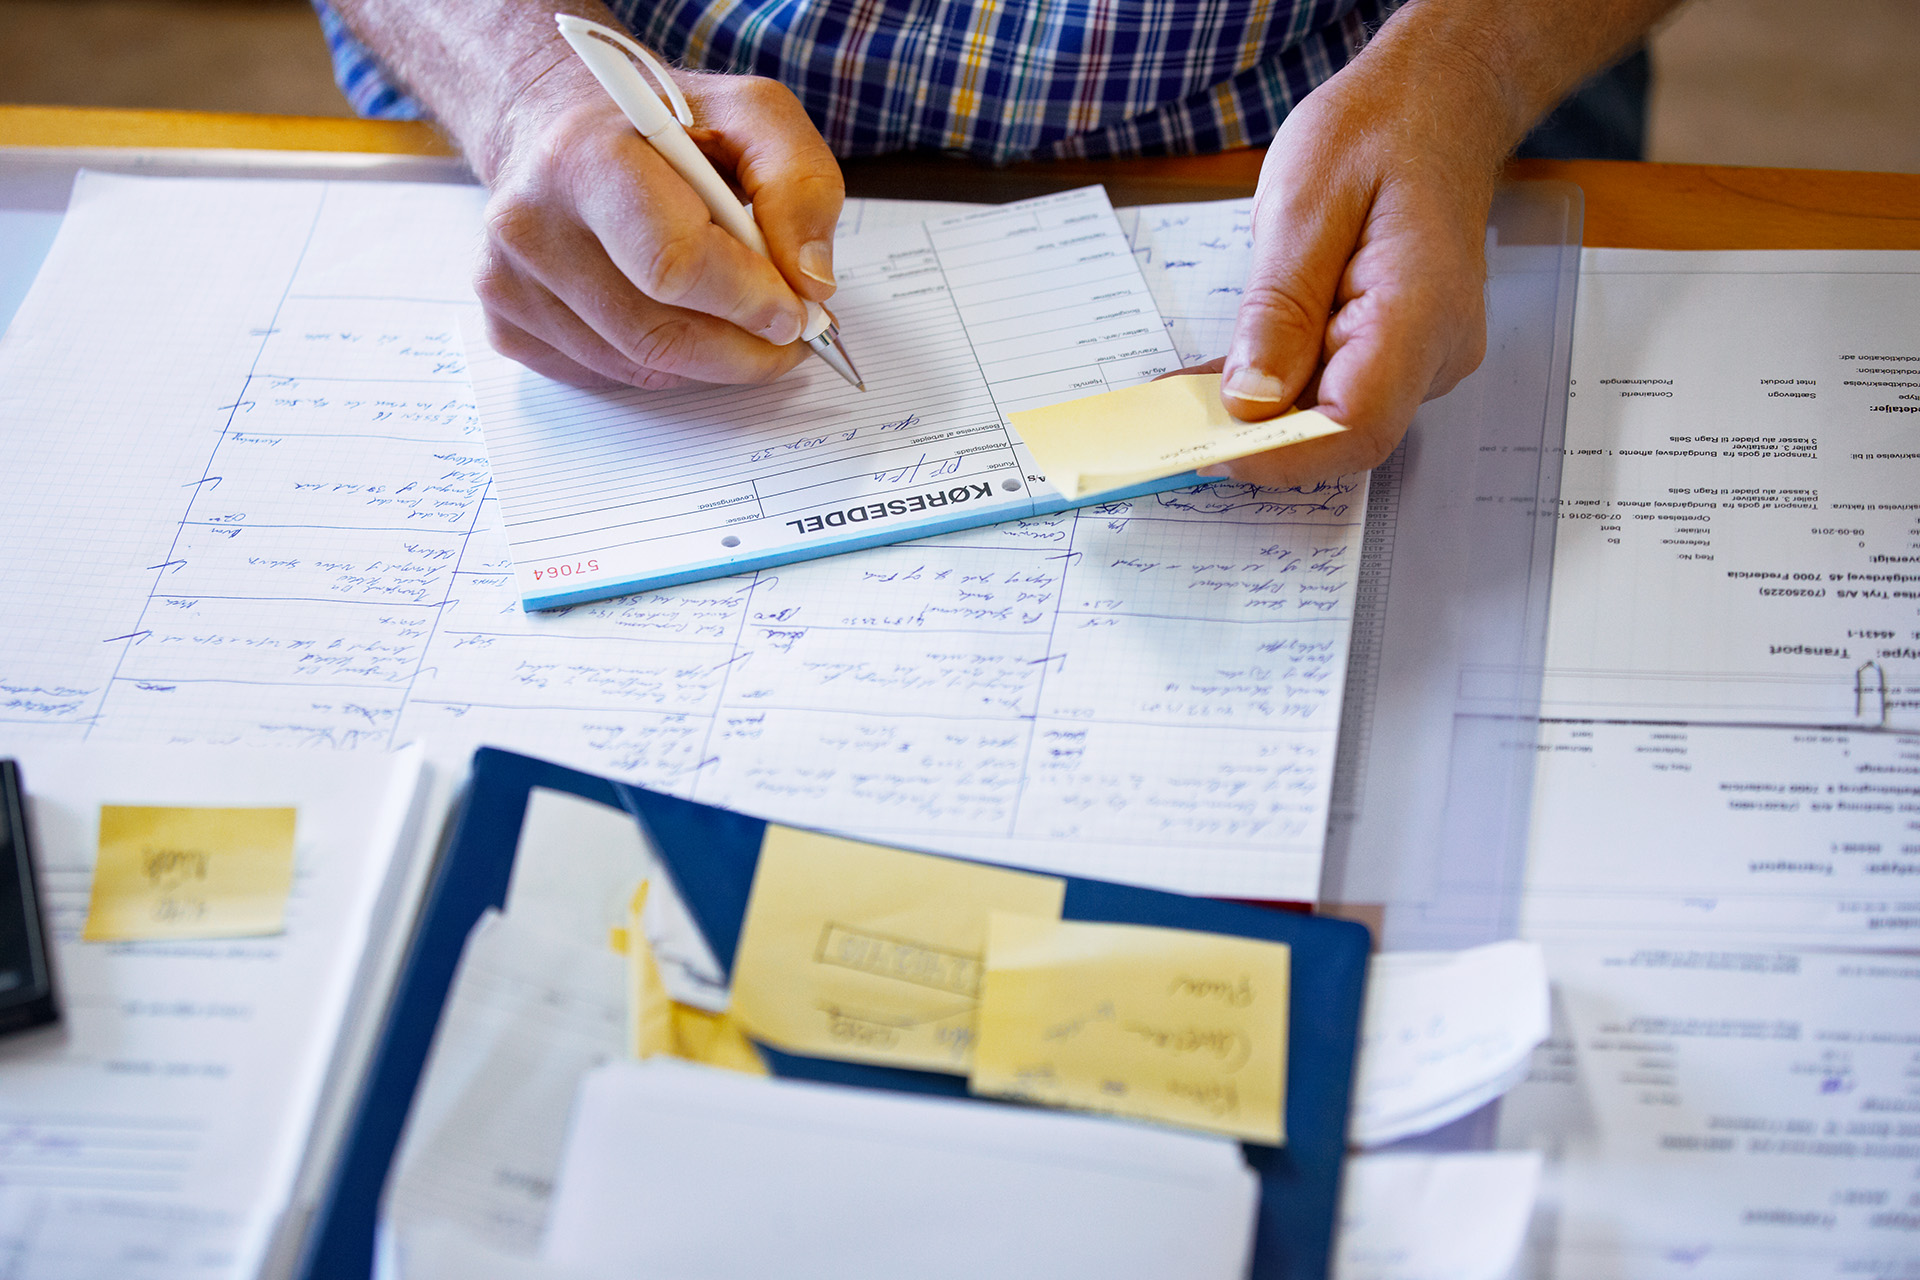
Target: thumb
{"type": "Point", "coordinates": [1305, 229]}
{"type": "Point", "coordinates": [786, 170]}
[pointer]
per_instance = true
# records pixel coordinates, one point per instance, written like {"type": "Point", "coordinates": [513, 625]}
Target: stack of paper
{"type": "Point", "coordinates": [682, 1171]}
{"type": "Point", "coordinates": [539, 1000]}
{"type": "Point", "coordinates": [178, 1120]}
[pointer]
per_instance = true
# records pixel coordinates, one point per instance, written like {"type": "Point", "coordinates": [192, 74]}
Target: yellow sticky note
{"type": "Point", "coordinates": [1163, 1024]}
{"type": "Point", "coordinates": [659, 1024]}
{"type": "Point", "coordinates": [1147, 432]}
{"type": "Point", "coordinates": [649, 1008]}
{"type": "Point", "coordinates": [856, 951]}
{"type": "Point", "coordinates": [190, 873]}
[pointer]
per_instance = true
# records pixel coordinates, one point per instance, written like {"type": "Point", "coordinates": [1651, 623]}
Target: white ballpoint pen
{"type": "Point", "coordinates": [605, 51]}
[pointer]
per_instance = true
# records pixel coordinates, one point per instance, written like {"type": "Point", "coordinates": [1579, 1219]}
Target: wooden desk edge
{"type": "Point", "coordinates": [1651, 206]}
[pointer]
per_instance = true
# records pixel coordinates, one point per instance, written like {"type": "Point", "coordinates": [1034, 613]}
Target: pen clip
{"type": "Point", "coordinates": [577, 29]}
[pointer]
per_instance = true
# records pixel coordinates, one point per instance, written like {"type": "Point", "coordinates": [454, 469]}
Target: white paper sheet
{"type": "Point", "coordinates": [1742, 1111]}
{"type": "Point", "coordinates": [1434, 1217]}
{"type": "Point", "coordinates": [528, 1016]}
{"type": "Point", "coordinates": [1740, 491]}
{"type": "Point", "coordinates": [1443, 1034]}
{"type": "Point", "coordinates": [575, 870]}
{"type": "Point", "coordinates": [678, 1170]}
{"type": "Point", "coordinates": [441, 1251]}
{"type": "Point", "coordinates": [1695, 831]}
{"type": "Point", "coordinates": [1718, 804]}
{"type": "Point", "coordinates": [956, 323]}
{"type": "Point", "coordinates": [160, 1132]}
{"type": "Point", "coordinates": [248, 502]}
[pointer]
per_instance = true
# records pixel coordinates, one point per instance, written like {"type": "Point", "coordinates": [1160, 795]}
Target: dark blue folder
{"type": "Point", "coordinates": [711, 854]}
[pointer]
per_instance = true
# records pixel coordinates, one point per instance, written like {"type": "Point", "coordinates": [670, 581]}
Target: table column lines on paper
{"type": "Point", "coordinates": [208, 480]}
{"type": "Point", "coordinates": [363, 593]}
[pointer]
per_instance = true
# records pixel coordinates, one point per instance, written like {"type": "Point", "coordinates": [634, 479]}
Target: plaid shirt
{"type": "Point", "coordinates": [1002, 80]}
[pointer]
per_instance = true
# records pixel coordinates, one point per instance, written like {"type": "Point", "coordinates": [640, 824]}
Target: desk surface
{"type": "Point", "coordinates": [1646, 206]}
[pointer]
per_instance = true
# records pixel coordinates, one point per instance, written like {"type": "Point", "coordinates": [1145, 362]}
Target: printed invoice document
{"type": "Point", "coordinates": [1725, 862]}
{"type": "Point", "coordinates": [1740, 506]}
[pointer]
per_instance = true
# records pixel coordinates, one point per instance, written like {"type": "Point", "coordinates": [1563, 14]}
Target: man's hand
{"type": "Point", "coordinates": [1366, 292]}
{"type": "Point", "coordinates": [601, 265]}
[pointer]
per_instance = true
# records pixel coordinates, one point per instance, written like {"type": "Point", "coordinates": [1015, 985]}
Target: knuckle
{"type": "Point", "coordinates": [671, 268]}
{"type": "Point", "coordinates": [662, 348]}
{"type": "Point", "coordinates": [656, 380]}
{"type": "Point", "coordinates": [781, 360]}
{"type": "Point", "coordinates": [1466, 358]}
{"type": "Point", "coordinates": [1372, 450]}
{"type": "Point", "coordinates": [761, 94]}
{"type": "Point", "coordinates": [496, 283]}
{"type": "Point", "coordinates": [516, 226]}
{"type": "Point", "coordinates": [512, 341]}
{"type": "Point", "coordinates": [822, 188]}
{"type": "Point", "coordinates": [1273, 310]}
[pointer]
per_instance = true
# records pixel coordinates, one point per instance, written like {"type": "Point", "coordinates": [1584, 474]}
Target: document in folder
{"type": "Point", "coordinates": [675, 1170]}
{"type": "Point", "coordinates": [956, 322]}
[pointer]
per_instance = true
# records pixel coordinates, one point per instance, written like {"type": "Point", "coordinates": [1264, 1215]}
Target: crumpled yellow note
{"type": "Point", "coordinates": [1181, 1027]}
{"type": "Point", "coordinates": [659, 1024]}
{"type": "Point", "coordinates": [175, 872]}
{"type": "Point", "coordinates": [1147, 432]}
{"type": "Point", "coordinates": [856, 951]}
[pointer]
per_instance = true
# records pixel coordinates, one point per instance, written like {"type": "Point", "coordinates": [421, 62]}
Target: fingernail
{"type": "Point", "coordinates": [1215, 471]}
{"type": "Point", "coordinates": [816, 261]}
{"type": "Point", "coordinates": [785, 328]}
{"type": "Point", "coordinates": [1251, 384]}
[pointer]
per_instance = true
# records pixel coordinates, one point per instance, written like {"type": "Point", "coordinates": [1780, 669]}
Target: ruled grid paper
{"type": "Point", "coordinates": [954, 323]}
{"type": "Point", "coordinates": [245, 501]}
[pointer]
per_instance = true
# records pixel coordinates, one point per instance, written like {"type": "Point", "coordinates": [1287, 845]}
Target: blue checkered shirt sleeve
{"type": "Point", "coordinates": [1002, 80]}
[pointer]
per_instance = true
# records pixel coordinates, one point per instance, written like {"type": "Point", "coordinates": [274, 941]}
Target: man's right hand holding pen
{"type": "Point", "coordinates": [601, 265]}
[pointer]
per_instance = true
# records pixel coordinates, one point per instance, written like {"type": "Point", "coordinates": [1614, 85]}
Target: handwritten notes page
{"type": "Point", "coordinates": [247, 500]}
{"type": "Point", "coordinates": [180, 872]}
{"type": "Point", "coordinates": [852, 951]}
{"type": "Point", "coordinates": [1161, 1024]}
{"type": "Point", "coordinates": [955, 323]}
{"type": "Point", "coordinates": [162, 1133]}
{"type": "Point", "coordinates": [1114, 439]}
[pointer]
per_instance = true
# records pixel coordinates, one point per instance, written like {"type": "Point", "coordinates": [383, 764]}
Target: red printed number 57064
{"type": "Point", "coordinates": [578, 567]}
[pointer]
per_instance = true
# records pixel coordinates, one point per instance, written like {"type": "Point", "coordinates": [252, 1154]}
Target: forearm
{"type": "Point", "coordinates": [473, 63]}
{"type": "Point", "coordinates": [1516, 59]}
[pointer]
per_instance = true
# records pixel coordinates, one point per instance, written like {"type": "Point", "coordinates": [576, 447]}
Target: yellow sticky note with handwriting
{"type": "Point", "coordinates": [856, 951]}
{"type": "Point", "coordinates": [166, 872]}
{"type": "Point", "coordinates": [1147, 432]}
{"type": "Point", "coordinates": [1172, 1025]}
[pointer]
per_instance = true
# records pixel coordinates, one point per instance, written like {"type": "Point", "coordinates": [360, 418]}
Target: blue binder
{"type": "Point", "coordinates": [711, 854]}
